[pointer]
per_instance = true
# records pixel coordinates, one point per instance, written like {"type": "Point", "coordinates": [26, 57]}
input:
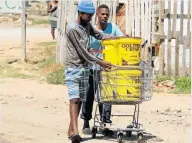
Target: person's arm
{"type": "Point", "coordinates": [118, 32]}
{"type": "Point", "coordinates": [52, 9]}
{"type": "Point", "coordinates": [48, 6]}
{"type": "Point", "coordinates": [98, 35]}
{"type": "Point", "coordinates": [78, 43]}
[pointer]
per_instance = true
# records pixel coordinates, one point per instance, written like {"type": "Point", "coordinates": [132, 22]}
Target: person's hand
{"type": "Point", "coordinates": [127, 35]}
{"type": "Point", "coordinates": [108, 37]}
{"type": "Point", "coordinates": [106, 65]}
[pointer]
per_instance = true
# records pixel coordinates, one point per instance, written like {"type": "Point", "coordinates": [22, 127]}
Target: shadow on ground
{"type": "Point", "coordinates": [133, 139]}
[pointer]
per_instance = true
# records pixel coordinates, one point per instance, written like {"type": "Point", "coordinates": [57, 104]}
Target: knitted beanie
{"type": "Point", "coordinates": [86, 6]}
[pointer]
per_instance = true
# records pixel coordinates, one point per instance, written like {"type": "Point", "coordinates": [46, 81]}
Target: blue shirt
{"type": "Point", "coordinates": [95, 45]}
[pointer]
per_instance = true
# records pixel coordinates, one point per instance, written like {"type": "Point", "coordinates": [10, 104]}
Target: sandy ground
{"type": "Point", "coordinates": [36, 113]}
{"type": "Point", "coordinates": [10, 39]}
{"type": "Point", "coordinates": [33, 112]}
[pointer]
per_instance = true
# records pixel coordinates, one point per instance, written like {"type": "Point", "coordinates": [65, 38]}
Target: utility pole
{"type": "Point", "coordinates": [23, 29]}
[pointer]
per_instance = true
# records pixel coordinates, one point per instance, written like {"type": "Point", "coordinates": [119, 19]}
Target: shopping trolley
{"type": "Point", "coordinates": [123, 85]}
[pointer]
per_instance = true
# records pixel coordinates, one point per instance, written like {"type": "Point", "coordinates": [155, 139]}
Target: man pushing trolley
{"type": "Point", "coordinates": [128, 82]}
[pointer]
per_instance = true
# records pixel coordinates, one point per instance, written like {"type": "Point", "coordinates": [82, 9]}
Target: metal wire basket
{"type": "Point", "coordinates": [124, 84]}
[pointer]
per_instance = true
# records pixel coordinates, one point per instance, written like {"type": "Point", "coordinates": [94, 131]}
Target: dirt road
{"type": "Point", "coordinates": [12, 35]}
{"type": "Point", "coordinates": [37, 113]}
{"type": "Point", "coordinates": [10, 39]}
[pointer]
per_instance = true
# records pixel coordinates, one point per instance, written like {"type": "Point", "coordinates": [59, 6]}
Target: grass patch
{"type": "Point", "coordinates": [20, 75]}
{"type": "Point", "coordinates": [163, 78]}
{"type": "Point", "coordinates": [40, 21]}
{"type": "Point", "coordinates": [48, 44]}
{"type": "Point", "coordinates": [10, 72]}
{"type": "Point", "coordinates": [54, 73]}
{"type": "Point", "coordinates": [49, 48]}
{"type": "Point", "coordinates": [47, 62]}
{"type": "Point", "coordinates": [56, 77]}
{"type": "Point", "coordinates": [42, 61]}
{"type": "Point", "coordinates": [49, 53]}
{"type": "Point", "coordinates": [182, 84]}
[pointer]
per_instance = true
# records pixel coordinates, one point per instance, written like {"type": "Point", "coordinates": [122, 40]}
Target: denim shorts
{"type": "Point", "coordinates": [77, 81]}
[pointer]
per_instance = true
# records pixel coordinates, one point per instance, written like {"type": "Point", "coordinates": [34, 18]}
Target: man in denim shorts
{"type": "Point", "coordinates": [77, 60]}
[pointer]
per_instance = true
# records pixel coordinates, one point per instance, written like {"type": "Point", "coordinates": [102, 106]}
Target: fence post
{"type": "Point", "coordinates": [188, 39]}
{"type": "Point", "coordinates": [146, 50]}
{"type": "Point", "coordinates": [169, 41]}
{"type": "Point", "coordinates": [130, 17]}
{"type": "Point", "coordinates": [182, 41]}
{"type": "Point", "coordinates": [58, 31]}
{"type": "Point", "coordinates": [142, 27]}
{"type": "Point", "coordinates": [23, 16]}
{"type": "Point", "coordinates": [137, 18]}
{"type": "Point", "coordinates": [177, 55]}
{"type": "Point", "coordinates": [162, 41]}
{"type": "Point", "coordinates": [175, 35]}
{"type": "Point", "coordinates": [174, 19]}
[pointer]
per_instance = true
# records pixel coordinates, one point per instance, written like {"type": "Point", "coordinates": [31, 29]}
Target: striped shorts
{"type": "Point", "coordinates": [77, 81]}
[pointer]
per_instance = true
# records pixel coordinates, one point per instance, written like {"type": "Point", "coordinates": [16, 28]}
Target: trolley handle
{"type": "Point", "coordinates": [124, 67]}
{"type": "Point", "coordinates": [118, 37]}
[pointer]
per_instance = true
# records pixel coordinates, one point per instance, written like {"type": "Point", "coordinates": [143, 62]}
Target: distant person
{"type": "Point", "coordinates": [52, 9]}
{"type": "Point", "coordinates": [47, 2]}
{"type": "Point", "coordinates": [95, 48]}
{"type": "Point", "coordinates": [27, 4]}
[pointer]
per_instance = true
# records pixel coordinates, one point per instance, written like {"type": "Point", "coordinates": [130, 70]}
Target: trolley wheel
{"type": "Point", "coordinates": [139, 137]}
{"type": "Point", "coordinates": [129, 133]}
{"type": "Point", "coordinates": [94, 132]}
{"type": "Point", "coordinates": [120, 137]}
{"type": "Point", "coordinates": [107, 132]}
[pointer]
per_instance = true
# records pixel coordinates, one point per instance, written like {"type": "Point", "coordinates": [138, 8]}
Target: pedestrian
{"type": "Point", "coordinates": [95, 48]}
{"type": "Point", "coordinates": [77, 60]}
{"type": "Point", "coordinates": [53, 10]}
{"type": "Point", "coordinates": [48, 6]}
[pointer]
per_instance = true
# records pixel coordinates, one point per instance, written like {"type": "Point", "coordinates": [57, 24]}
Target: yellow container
{"type": "Point", "coordinates": [121, 85]}
{"type": "Point", "coordinates": [122, 51]}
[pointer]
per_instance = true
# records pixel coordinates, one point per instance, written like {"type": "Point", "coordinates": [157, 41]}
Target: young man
{"type": "Point", "coordinates": [95, 48]}
{"type": "Point", "coordinates": [77, 60]}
